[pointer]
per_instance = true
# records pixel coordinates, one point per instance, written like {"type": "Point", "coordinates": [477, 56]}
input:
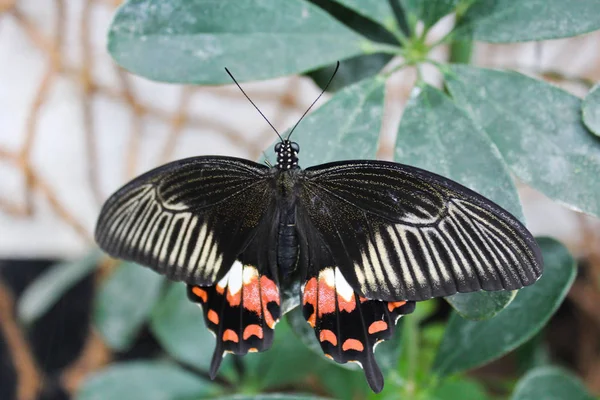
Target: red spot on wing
{"type": "Point", "coordinates": [253, 330]}
{"type": "Point", "coordinates": [326, 298]}
{"type": "Point", "coordinates": [200, 293]}
{"type": "Point", "coordinates": [328, 336]}
{"type": "Point", "coordinates": [251, 295]}
{"type": "Point", "coordinates": [346, 305]}
{"type": "Point", "coordinates": [270, 293]}
{"type": "Point", "coordinates": [269, 290]}
{"type": "Point", "coordinates": [378, 326]}
{"type": "Point", "coordinates": [230, 335]}
{"type": "Point", "coordinates": [352, 344]}
{"type": "Point", "coordinates": [310, 292]}
{"type": "Point", "coordinates": [362, 299]}
{"type": "Point", "coordinates": [392, 305]}
{"type": "Point", "coordinates": [213, 317]}
{"type": "Point", "coordinates": [234, 299]}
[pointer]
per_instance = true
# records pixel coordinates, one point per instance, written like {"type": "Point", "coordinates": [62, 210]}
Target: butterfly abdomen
{"type": "Point", "coordinates": [287, 243]}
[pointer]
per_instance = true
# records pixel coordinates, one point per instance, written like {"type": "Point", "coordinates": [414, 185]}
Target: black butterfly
{"type": "Point", "coordinates": [366, 239]}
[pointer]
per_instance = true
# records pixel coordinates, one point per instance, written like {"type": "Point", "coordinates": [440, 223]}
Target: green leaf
{"type": "Point", "coordinates": [345, 127]}
{"type": "Point", "coordinates": [591, 110]}
{"type": "Point", "coordinates": [462, 388]}
{"type": "Point", "coordinates": [49, 287]}
{"type": "Point", "coordinates": [124, 302]}
{"type": "Point", "coordinates": [550, 383]}
{"type": "Point", "coordinates": [430, 11]}
{"type": "Point", "coordinates": [538, 129]}
{"type": "Point", "coordinates": [179, 327]}
{"type": "Point", "coordinates": [376, 10]}
{"type": "Point", "coordinates": [437, 135]}
{"type": "Point", "coordinates": [359, 67]}
{"type": "Point", "coordinates": [144, 381]}
{"type": "Point", "coordinates": [191, 41]}
{"type": "Point", "coordinates": [508, 21]}
{"type": "Point", "coordinates": [351, 71]}
{"type": "Point", "coordinates": [468, 344]}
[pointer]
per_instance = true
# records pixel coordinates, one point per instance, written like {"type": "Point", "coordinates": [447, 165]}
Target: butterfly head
{"type": "Point", "coordinates": [287, 154]}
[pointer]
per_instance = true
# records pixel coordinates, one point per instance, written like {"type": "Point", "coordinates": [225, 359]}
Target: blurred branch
{"type": "Point", "coordinates": [28, 376]}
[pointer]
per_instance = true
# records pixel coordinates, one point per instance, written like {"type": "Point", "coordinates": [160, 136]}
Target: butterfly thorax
{"type": "Point", "coordinates": [287, 155]}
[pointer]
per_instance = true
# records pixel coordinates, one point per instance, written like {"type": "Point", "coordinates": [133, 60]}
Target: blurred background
{"type": "Point", "coordinates": [74, 127]}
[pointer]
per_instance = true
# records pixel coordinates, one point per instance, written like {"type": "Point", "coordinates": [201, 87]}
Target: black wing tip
{"type": "Point", "coordinates": [373, 375]}
{"type": "Point", "coordinates": [215, 363]}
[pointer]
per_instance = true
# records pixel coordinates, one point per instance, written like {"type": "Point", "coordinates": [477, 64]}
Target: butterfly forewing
{"type": "Point", "coordinates": [400, 233]}
{"type": "Point", "coordinates": [188, 219]}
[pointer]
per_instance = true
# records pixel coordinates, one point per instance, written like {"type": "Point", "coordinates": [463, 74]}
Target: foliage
{"type": "Point", "coordinates": [486, 127]}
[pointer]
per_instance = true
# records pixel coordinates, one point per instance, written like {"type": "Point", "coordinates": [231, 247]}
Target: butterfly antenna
{"type": "Point", "coordinates": [317, 99]}
{"type": "Point", "coordinates": [255, 106]}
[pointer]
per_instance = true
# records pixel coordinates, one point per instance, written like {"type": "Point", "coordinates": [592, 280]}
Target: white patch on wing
{"type": "Point", "coordinates": [328, 276]}
{"type": "Point", "coordinates": [249, 273]}
{"type": "Point", "coordinates": [342, 287]}
{"type": "Point", "coordinates": [234, 283]}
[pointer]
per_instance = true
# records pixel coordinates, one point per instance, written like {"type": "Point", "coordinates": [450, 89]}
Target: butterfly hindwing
{"type": "Point", "coordinates": [188, 219]}
{"type": "Point", "coordinates": [242, 308]}
{"type": "Point", "coordinates": [347, 325]}
{"type": "Point", "coordinates": [398, 232]}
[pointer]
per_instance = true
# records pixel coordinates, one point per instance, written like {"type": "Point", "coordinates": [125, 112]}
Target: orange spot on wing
{"type": "Point", "coordinates": [213, 317]}
{"type": "Point", "coordinates": [362, 299]}
{"type": "Point", "coordinates": [352, 344]}
{"type": "Point", "coordinates": [269, 290]}
{"type": "Point", "coordinates": [310, 292]}
{"type": "Point", "coordinates": [310, 297]}
{"type": "Point", "coordinates": [312, 320]}
{"type": "Point", "coordinates": [346, 305]}
{"type": "Point", "coordinates": [326, 298]}
{"type": "Point", "coordinates": [200, 293]}
{"type": "Point", "coordinates": [392, 305]}
{"type": "Point", "coordinates": [252, 350]}
{"type": "Point", "coordinates": [251, 330]}
{"type": "Point", "coordinates": [328, 356]}
{"type": "Point", "coordinates": [234, 299]}
{"type": "Point", "coordinates": [252, 296]}
{"type": "Point", "coordinates": [269, 293]}
{"type": "Point", "coordinates": [378, 326]}
{"type": "Point", "coordinates": [220, 289]}
{"type": "Point", "coordinates": [230, 335]}
{"type": "Point", "coordinates": [328, 336]}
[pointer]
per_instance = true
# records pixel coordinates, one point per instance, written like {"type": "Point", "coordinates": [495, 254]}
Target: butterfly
{"type": "Point", "coordinates": [364, 239]}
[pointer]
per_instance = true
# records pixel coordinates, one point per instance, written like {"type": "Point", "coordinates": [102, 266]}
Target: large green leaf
{"type": "Point", "coordinates": [179, 327]}
{"type": "Point", "coordinates": [480, 305]}
{"type": "Point", "coordinates": [428, 11]}
{"type": "Point", "coordinates": [346, 127]}
{"type": "Point", "coordinates": [48, 288]}
{"type": "Point", "coordinates": [379, 11]}
{"type": "Point", "coordinates": [459, 389]}
{"type": "Point", "coordinates": [362, 66]}
{"type": "Point", "coordinates": [191, 41]}
{"type": "Point", "coordinates": [437, 135]}
{"type": "Point", "coordinates": [507, 21]}
{"type": "Point", "coordinates": [538, 129]}
{"type": "Point", "coordinates": [467, 344]}
{"type": "Point", "coordinates": [550, 383]}
{"type": "Point", "coordinates": [591, 110]}
{"type": "Point", "coordinates": [145, 381]}
{"type": "Point", "coordinates": [124, 302]}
